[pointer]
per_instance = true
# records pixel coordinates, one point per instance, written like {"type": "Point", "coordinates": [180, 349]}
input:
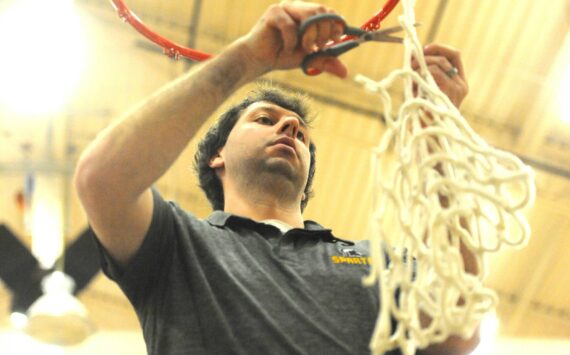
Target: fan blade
{"type": "Point", "coordinates": [82, 260]}
{"type": "Point", "coordinates": [19, 270]}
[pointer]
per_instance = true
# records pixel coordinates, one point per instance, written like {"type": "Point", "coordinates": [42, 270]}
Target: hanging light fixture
{"type": "Point", "coordinates": [43, 301]}
{"type": "Point", "coordinates": [58, 317]}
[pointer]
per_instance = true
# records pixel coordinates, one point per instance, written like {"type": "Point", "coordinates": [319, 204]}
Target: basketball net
{"type": "Point", "coordinates": [445, 190]}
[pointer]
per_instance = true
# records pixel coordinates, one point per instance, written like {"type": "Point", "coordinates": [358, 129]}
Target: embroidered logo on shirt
{"type": "Point", "coordinates": [350, 252]}
{"type": "Point", "coordinates": [359, 260]}
{"type": "Point", "coordinates": [350, 256]}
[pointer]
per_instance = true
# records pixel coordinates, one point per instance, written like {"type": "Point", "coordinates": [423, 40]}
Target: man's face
{"type": "Point", "coordinates": [267, 141]}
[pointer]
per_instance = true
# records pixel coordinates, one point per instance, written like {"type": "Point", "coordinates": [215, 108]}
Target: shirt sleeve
{"type": "Point", "coordinates": [151, 260]}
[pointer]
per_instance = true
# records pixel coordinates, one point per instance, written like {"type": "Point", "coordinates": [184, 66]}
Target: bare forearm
{"type": "Point", "coordinates": [132, 154]}
{"type": "Point", "coordinates": [469, 259]}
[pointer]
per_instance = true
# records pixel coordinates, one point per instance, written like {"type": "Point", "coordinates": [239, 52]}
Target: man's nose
{"type": "Point", "coordinates": [289, 126]}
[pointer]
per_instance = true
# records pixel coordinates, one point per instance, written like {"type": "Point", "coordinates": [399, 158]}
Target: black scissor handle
{"type": "Point", "coordinates": [318, 18]}
{"type": "Point", "coordinates": [333, 51]}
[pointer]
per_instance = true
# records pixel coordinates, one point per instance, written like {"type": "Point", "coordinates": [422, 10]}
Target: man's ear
{"type": "Point", "coordinates": [217, 161]}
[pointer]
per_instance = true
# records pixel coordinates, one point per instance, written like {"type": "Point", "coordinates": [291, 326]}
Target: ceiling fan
{"type": "Point", "coordinates": [42, 298]}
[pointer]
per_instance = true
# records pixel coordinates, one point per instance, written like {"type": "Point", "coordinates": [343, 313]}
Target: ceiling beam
{"type": "Point", "coordinates": [436, 22]}
{"type": "Point", "coordinates": [194, 23]}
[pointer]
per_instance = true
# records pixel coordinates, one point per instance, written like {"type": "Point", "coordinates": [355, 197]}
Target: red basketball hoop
{"type": "Point", "coordinates": [169, 48]}
{"type": "Point", "coordinates": [175, 50]}
{"type": "Point", "coordinates": [374, 23]}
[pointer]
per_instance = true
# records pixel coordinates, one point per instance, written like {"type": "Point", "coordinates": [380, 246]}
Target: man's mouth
{"type": "Point", "coordinates": [287, 142]}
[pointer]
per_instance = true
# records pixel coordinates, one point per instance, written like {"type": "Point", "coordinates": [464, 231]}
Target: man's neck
{"type": "Point", "coordinates": [264, 208]}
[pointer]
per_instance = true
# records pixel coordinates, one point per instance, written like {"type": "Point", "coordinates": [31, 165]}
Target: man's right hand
{"type": "Point", "coordinates": [273, 42]}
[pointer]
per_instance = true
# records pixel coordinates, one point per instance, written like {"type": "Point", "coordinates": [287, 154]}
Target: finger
{"type": "Point", "coordinates": [317, 34]}
{"type": "Point", "coordinates": [323, 33]}
{"type": "Point", "coordinates": [286, 25]}
{"type": "Point", "coordinates": [450, 53]}
{"type": "Point", "coordinates": [300, 11]}
{"type": "Point", "coordinates": [455, 90]}
{"type": "Point", "coordinates": [309, 39]}
{"type": "Point", "coordinates": [443, 63]}
{"type": "Point", "coordinates": [334, 66]}
{"type": "Point", "coordinates": [328, 31]}
{"type": "Point", "coordinates": [441, 79]}
{"type": "Point", "coordinates": [415, 64]}
{"type": "Point", "coordinates": [337, 30]}
{"type": "Point", "coordinates": [452, 83]}
{"type": "Point", "coordinates": [330, 65]}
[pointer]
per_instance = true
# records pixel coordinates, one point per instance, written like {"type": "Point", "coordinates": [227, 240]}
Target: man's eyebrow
{"type": "Point", "coordinates": [275, 111]}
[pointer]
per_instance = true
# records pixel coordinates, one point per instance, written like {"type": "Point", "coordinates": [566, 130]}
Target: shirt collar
{"type": "Point", "coordinates": [222, 219]}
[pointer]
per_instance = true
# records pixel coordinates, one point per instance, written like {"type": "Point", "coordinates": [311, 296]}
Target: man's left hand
{"type": "Point", "coordinates": [446, 67]}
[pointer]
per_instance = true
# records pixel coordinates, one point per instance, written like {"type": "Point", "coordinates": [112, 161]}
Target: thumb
{"type": "Point", "coordinates": [335, 67]}
{"type": "Point", "coordinates": [331, 65]}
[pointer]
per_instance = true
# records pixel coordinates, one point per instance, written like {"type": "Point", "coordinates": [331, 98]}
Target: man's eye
{"type": "Point", "coordinates": [265, 120]}
{"type": "Point", "coordinates": [301, 136]}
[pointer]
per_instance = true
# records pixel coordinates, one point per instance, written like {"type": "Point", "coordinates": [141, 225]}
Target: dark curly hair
{"type": "Point", "coordinates": [217, 136]}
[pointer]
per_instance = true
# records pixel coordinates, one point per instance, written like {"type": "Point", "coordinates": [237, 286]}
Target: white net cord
{"type": "Point", "coordinates": [447, 196]}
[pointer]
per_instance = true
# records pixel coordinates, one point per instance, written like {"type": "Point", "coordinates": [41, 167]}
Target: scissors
{"type": "Point", "coordinates": [353, 37]}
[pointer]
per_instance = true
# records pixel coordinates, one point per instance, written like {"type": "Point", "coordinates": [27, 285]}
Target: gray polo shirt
{"type": "Point", "coordinates": [230, 285]}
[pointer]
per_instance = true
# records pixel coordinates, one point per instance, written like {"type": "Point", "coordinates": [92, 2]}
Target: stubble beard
{"type": "Point", "coordinates": [273, 175]}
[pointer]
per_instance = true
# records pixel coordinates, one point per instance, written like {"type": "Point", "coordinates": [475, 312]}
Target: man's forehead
{"type": "Point", "coordinates": [268, 106]}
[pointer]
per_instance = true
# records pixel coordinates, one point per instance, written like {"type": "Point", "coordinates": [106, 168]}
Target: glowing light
{"type": "Point", "coordinates": [47, 219]}
{"type": "Point", "coordinates": [43, 55]}
{"type": "Point", "coordinates": [488, 335]}
{"type": "Point", "coordinates": [58, 317]}
{"type": "Point", "coordinates": [18, 320]}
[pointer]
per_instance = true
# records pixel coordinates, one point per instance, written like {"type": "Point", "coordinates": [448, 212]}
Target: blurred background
{"type": "Point", "coordinates": [70, 68]}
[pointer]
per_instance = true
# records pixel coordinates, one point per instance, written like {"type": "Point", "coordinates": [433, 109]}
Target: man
{"type": "Point", "coordinates": [254, 278]}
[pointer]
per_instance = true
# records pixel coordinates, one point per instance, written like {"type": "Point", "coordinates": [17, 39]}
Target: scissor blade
{"type": "Point", "coordinates": [384, 38]}
{"type": "Point", "coordinates": [384, 35]}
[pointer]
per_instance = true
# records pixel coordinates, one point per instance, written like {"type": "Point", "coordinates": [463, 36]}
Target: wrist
{"type": "Point", "coordinates": [243, 54]}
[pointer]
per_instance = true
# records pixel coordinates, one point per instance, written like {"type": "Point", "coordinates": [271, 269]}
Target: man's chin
{"type": "Point", "coordinates": [283, 168]}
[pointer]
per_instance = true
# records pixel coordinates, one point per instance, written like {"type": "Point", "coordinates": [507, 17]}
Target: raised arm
{"type": "Point", "coordinates": [114, 174]}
